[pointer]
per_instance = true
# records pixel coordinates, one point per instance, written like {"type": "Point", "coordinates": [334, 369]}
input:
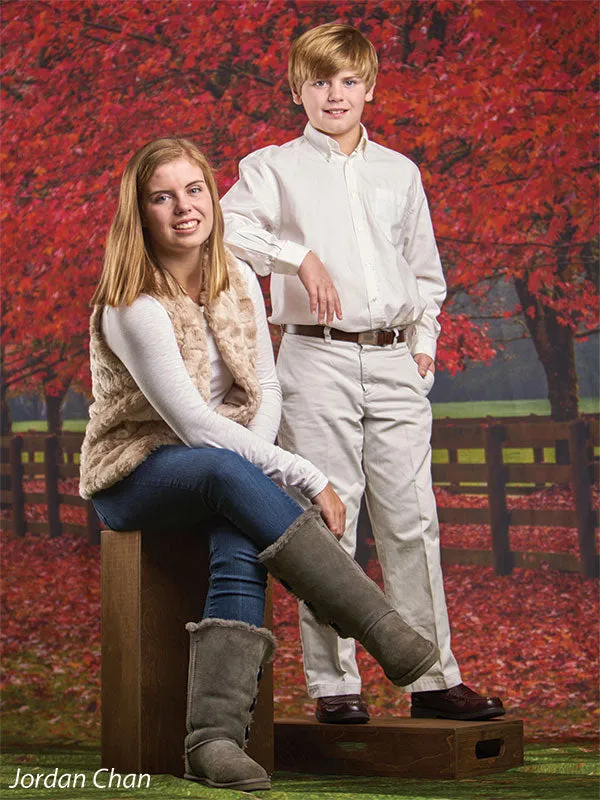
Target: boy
{"type": "Point", "coordinates": [343, 226]}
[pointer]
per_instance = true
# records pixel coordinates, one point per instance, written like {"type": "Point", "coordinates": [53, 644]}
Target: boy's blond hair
{"type": "Point", "coordinates": [130, 266]}
{"type": "Point", "coordinates": [326, 50]}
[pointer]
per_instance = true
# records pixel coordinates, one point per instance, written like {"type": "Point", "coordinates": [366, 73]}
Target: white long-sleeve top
{"type": "Point", "coordinates": [142, 336]}
{"type": "Point", "coordinates": [364, 215]}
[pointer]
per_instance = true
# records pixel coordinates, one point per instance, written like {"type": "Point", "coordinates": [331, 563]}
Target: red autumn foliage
{"type": "Point", "coordinates": [493, 100]}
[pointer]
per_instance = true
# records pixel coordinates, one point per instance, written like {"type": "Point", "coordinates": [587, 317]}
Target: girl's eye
{"type": "Point", "coordinates": [160, 198]}
{"type": "Point", "coordinates": [195, 190]}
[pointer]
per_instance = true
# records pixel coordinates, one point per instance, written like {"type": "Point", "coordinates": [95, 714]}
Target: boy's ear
{"type": "Point", "coordinates": [369, 94]}
{"type": "Point", "coordinates": [296, 97]}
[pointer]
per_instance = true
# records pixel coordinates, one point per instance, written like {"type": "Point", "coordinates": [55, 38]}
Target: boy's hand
{"type": "Point", "coordinates": [333, 510]}
{"type": "Point", "coordinates": [322, 293]}
{"type": "Point", "coordinates": [424, 363]}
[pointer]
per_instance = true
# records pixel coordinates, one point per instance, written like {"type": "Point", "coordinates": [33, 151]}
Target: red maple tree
{"type": "Point", "coordinates": [493, 100]}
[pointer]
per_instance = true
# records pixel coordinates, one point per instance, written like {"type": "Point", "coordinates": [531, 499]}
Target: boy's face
{"type": "Point", "coordinates": [334, 105]}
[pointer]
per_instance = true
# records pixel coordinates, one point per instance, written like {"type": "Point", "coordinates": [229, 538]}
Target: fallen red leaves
{"type": "Point", "coordinates": [536, 538]}
{"type": "Point", "coordinates": [530, 636]}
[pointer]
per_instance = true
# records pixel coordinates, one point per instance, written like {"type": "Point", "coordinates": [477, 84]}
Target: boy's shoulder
{"type": "Point", "coordinates": [273, 153]}
{"type": "Point", "coordinates": [378, 153]}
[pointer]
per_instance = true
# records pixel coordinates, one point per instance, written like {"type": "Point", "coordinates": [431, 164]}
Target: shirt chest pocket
{"type": "Point", "coordinates": [389, 208]}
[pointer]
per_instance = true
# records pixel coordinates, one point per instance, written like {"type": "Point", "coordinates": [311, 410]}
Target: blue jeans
{"type": "Point", "coordinates": [227, 498]}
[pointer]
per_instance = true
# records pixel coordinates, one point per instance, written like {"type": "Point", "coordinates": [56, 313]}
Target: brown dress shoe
{"type": "Point", "coordinates": [340, 709]}
{"type": "Point", "coordinates": [459, 702]}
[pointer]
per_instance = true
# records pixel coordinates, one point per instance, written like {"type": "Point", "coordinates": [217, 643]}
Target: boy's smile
{"type": "Point", "coordinates": [334, 106]}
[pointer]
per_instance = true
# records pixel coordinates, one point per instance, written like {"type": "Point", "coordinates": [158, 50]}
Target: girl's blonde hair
{"type": "Point", "coordinates": [130, 266]}
{"type": "Point", "coordinates": [326, 50]}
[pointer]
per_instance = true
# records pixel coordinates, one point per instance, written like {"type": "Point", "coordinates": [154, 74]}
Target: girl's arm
{"type": "Point", "coordinates": [142, 336]}
{"type": "Point", "coordinates": [266, 420]}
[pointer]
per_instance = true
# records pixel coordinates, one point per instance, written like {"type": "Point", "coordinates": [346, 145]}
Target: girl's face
{"type": "Point", "coordinates": [177, 208]}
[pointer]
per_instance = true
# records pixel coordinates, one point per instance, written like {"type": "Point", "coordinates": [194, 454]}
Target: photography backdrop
{"type": "Point", "coordinates": [497, 104]}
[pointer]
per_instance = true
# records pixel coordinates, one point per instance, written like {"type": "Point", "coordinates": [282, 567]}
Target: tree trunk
{"type": "Point", "coordinates": [53, 416]}
{"type": "Point", "coordinates": [5, 420]}
{"type": "Point", "coordinates": [5, 430]}
{"type": "Point", "coordinates": [555, 346]}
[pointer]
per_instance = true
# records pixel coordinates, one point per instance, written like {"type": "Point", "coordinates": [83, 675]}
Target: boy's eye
{"type": "Point", "coordinates": [320, 83]}
{"type": "Point", "coordinates": [350, 82]}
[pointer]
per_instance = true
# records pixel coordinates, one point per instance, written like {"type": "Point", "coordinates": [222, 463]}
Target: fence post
{"type": "Point", "coordinates": [453, 459]}
{"type": "Point", "coordinates": [93, 524]}
{"type": "Point", "coordinates": [16, 480]}
{"type": "Point", "coordinates": [52, 450]}
{"type": "Point", "coordinates": [582, 488]}
{"type": "Point", "coordinates": [499, 516]}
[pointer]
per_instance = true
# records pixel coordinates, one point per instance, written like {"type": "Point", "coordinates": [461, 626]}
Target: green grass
{"type": "Point", "coordinates": [512, 455]}
{"type": "Point", "coordinates": [506, 408]}
{"type": "Point", "coordinates": [28, 710]}
{"type": "Point", "coordinates": [498, 408]}
{"type": "Point", "coordinates": [484, 408]}
{"type": "Point", "coordinates": [42, 425]}
{"type": "Point", "coordinates": [551, 772]}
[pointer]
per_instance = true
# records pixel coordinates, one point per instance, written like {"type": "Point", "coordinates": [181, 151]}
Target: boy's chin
{"type": "Point", "coordinates": [336, 127]}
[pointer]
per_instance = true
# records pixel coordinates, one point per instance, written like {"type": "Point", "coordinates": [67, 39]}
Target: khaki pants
{"type": "Point", "coordinates": [360, 413]}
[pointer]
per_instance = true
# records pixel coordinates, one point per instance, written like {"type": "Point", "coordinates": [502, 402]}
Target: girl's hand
{"type": "Point", "coordinates": [333, 510]}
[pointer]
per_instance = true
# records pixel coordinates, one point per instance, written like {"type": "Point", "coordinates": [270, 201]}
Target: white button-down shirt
{"type": "Point", "coordinates": [364, 215]}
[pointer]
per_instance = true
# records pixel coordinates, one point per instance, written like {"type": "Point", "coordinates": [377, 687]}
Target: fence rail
{"type": "Point", "coordinates": [489, 441]}
{"type": "Point", "coordinates": [497, 478]}
{"type": "Point", "coordinates": [50, 458]}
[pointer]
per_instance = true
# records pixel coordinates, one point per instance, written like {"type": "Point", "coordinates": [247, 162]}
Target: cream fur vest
{"type": "Point", "coordinates": [124, 428]}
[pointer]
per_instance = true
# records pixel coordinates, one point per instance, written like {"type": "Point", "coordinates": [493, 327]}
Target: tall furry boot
{"type": "Point", "coordinates": [313, 565]}
{"type": "Point", "coordinates": [225, 660]}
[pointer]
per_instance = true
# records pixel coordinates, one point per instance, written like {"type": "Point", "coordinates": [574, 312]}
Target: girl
{"type": "Point", "coordinates": [186, 407]}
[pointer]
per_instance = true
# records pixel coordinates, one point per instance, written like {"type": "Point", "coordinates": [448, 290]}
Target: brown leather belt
{"type": "Point", "coordinates": [378, 338]}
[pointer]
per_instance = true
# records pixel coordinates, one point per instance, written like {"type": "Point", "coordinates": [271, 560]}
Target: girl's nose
{"type": "Point", "coordinates": [182, 204]}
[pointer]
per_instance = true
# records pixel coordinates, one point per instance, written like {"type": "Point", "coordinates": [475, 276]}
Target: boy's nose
{"type": "Point", "coordinates": [335, 92]}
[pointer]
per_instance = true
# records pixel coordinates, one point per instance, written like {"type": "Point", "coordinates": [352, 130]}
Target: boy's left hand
{"type": "Point", "coordinates": [424, 363]}
{"type": "Point", "coordinates": [323, 296]}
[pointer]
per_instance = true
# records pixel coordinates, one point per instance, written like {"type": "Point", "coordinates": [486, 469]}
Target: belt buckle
{"type": "Point", "coordinates": [368, 337]}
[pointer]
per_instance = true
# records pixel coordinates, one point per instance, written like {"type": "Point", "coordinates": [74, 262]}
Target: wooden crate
{"type": "Point", "coordinates": [399, 747]}
{"type": "Point", "coordinates": [152, 584]}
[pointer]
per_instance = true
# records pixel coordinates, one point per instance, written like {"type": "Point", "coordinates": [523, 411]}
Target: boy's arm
{"type": "Point", "coordinates": [252, 212]}
{"type": "Point", "coordinates": [251, 209]}
{"type": "Point", "coordinates": [421, 253]}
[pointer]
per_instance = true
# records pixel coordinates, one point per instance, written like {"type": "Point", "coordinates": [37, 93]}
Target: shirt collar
{"type": "Point", "coordinates": [328, 146]}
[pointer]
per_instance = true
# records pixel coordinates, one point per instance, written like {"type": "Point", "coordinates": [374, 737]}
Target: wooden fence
{"type": "Point", "coordinates": [496, 477]}
{"type": "Point", "coordinates": [477, 455]}
{"type": "Point", "coordinates": [31, 457]}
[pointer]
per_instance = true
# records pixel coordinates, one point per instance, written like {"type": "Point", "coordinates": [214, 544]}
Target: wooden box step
{"type": "Point", "coordinates": [399, 747]}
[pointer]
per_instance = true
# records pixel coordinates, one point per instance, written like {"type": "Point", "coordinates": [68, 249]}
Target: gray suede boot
{"type": "Point", "coordinates": [311, 563]}
{"type": "Point", "coordinates": [225, 660]}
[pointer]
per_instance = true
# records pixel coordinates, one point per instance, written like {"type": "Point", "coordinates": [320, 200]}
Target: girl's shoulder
{"type": "Point", "coordinates": [145, 310]}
